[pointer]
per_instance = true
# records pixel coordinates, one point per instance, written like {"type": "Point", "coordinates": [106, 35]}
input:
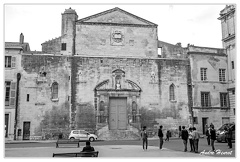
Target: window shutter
{"type": "Point", "coordinates": [13, 62]}
{"type": "Point", "coordinates": [12, 93]}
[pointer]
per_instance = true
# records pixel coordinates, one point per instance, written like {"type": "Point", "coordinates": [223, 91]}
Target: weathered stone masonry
{"type": "Point", "coordinates": [151, 75]}
{"type": "Point", "coordinates": [39, 72]}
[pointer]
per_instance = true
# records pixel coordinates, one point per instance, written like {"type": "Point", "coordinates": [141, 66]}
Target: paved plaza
{"type": "Point", "coordinates": [104, 151]}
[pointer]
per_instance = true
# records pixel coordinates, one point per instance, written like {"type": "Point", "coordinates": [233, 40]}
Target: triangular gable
{"type": "Point", "coordinates": [116, 16]}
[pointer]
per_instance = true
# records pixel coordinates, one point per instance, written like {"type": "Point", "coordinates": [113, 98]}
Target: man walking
{"type": "Point", "coordinates": [213, 136]}
{"type": "Point", "coordinates": [184, 137]}
{"type": "Point", "coordinates": [229, 136]}
{"type": "Point", "coordinates": [144, 136]}
{"type": "Point", "coordinates": [196, 137]}
{"type": "Point", "coordinates": [160, 135]}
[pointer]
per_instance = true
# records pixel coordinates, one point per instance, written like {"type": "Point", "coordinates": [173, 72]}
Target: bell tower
{"type": "Point", "coordinates": [68, 32]}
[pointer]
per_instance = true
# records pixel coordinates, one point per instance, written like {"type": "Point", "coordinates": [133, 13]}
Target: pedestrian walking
{"type": "Point", "coordinates": [212, 136]}
{"type": "Point", "coordinates": [228, 132]}
{"type": "Point", "coordinates": [190, 137]}
{"type": "Point", "coordinates": [144, 135]}
{"type": "Point", "coordinates": [180, 131]}
{"type": "Point", "coordinates": [160, 135]}
{"type": "Point", "coordinates": [196, 137]}
{"type": "Point", "coordinates": [184, 137]}
{"type": "Point", "coordinates": [168, 134]}
{"type": "Point", "coordinates": [208, 135]}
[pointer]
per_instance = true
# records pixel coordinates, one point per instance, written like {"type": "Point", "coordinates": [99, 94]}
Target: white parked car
{"type": "Point", "coordinates": [82, 135]}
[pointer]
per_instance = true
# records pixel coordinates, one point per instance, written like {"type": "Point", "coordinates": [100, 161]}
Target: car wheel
{"type": "Point", "coordinates": [91, 139]}
{"type": "Point", "coordinates": [72, 138]}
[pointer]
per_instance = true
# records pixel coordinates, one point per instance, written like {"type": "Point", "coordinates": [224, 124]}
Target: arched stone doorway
{"type": "Point", "coordinates": [117, 100]}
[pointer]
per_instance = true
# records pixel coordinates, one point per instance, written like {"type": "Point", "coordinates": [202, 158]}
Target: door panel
{"type": "Point", "coordinates": [204, 122]}
{"type": "Point", "coordinates": [26, 130]}
{"type": "Point", "coordinates": [83, 135]}
{"type": "Point", "coordinates": [118, 113]}
{"type": "Point", "coordinates": [6, 124]}
{"type": "Point", "coordinates": [122, 118]}
{"type": "Point", "coordinates": [113, 115]}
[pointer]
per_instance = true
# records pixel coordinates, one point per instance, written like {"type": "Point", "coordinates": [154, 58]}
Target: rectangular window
{"type": "Point", "coordinates": [8, 61]}
{"type": "Point", "coordinates": [27, 97]}
{"type": "Point", "coordinates": [7, 93]}
{"type": "Point", "coordinates": [222, 75]}
{"type": "Point", "coordinates": [203, 74]}
{"type": "Point", "coordinates": [64, 47]}
{"type": "Point", "coordinates": [232, 64]}
{"type": "Point", "coordinates": [223, 100]}
{"type": "Point", "coordinates": [159, 51]}
{"type": "Point", "coordinates": [205, 99]}
{"type": "Point", "coordinates": [233, 92]}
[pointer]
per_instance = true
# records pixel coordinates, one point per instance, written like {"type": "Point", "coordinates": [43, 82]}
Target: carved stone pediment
{"type": "Point", "coordinates": [127, 85]}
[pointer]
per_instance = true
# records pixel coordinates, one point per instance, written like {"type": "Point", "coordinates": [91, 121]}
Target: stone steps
{"type": "Point", "coordinates": [130, 134]}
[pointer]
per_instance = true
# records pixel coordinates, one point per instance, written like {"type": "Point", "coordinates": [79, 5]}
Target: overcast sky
{"type": "Point", "coordinates": [194, 24]}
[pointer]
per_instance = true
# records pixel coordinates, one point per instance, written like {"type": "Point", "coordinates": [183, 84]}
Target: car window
{"type": "Point", "coordinates": [83, 132]}
{"type": "Point", "coordinates": [75, 132]}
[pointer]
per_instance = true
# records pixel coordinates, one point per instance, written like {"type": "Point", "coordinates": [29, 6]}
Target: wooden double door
{"type": "Point", "coordinates": [118, 113]}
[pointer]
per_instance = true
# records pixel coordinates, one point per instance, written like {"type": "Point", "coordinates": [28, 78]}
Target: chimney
{"type": "Point", "coordinates": [21, 41]}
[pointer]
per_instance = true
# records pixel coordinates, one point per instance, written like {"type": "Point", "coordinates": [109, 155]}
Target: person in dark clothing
{"type": "Point", "coordinates": [208, 135]}
{"type": "Point", "coordinates": [180, 131]}
{"type": "Point", "coordinates": [144, 135]}
{"type": "Point", "coordinates": [228, 132]}
{"type": "Point", "coordinates": [190, 137]}
{"type": "Point", "coordinates": [184, 137]}
{"type": "Point", "coordinates": [167, 135]}
{"type": "Point", "coordinates": [212, 136]}
{"type": "Point", "coordinates": [88, 147]}
{"type": "Point", "coordinates": [160, 135]}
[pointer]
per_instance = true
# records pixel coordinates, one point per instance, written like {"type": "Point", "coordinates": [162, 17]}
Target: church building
{"type": "Point", "coordinates": [105, 74]}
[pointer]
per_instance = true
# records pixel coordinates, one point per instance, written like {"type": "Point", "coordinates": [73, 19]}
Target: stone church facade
{"type": "Point", "coordinates": [104, 74]}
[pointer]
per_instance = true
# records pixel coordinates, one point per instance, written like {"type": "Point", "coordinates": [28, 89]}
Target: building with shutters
{"type": "Point", "coordinates": [228, 21]}
{"type": "Point", "coordinates": [104, 74]}
{"type": "Point", "coordinates": [13, 51]}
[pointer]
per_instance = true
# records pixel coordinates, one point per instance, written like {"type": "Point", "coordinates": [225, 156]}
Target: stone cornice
{"type": "Point", "coordinates": [116, 24]}
{"type": "Point", "coordinates": [204, 53]}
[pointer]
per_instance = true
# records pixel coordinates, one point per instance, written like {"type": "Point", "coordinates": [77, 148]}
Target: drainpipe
{"type": "Point", "coordinates": [16, 108]}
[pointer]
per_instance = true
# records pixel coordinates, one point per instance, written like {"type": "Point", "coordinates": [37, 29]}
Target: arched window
{"type": "Point", "coordinates": [172, 92]}
{"type": "Point", "coordinates": [134, 112]}
{"type": "Point", "coordinates": [55, 90]}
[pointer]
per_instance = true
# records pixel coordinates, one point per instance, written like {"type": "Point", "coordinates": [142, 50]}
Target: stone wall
{"type": "Point", "coordinates": [52, 46]}
{"type": "Point", "coordinates": [153, 77]}
{"type": "Point", "coordinates": [96, 40]}
{"type": "Point", "coordinates": [39, 72]}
